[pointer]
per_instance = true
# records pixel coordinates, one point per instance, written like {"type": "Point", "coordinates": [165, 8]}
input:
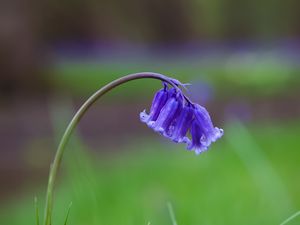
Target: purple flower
{"type": "Point", "coordinates": [164, 110]}
{"type": "Point", "coordinates": [210, 133]}
{"type": "Point", "coordinates": [174, 116]}
{"type": "Point", "coordinates": [197, 135]}
{"type": "Point", "coordinates": [182, 125]}
{"type": "Point", "coordinates": [158, 102]}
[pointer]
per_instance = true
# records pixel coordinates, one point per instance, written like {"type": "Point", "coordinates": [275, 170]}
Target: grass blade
{"type": "Point", "coordinates": [68, 212]}
{"type": "Point", "coordinates": [290, 218]}
{"type": "Point", "coordinates": [172, 214]}
{"type": "Point", "coordinates": [36, 211]}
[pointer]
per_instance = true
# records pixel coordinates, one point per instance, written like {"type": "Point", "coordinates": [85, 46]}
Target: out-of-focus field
{"type": "Point", "coordinates": [249, 73]}
{"type": "Point", "coordinates": [242, 61]}
{"type": "Point", "coordinates": [251, 176]}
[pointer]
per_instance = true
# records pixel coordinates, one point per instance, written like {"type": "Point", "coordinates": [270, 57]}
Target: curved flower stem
{"type": "Point", "coordinates": [75, 120]}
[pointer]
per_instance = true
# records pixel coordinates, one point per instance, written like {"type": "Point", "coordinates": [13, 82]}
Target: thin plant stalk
{"type": "Point", "coordinates": [172, 214]}
{"type": "Point", "coordinates": [291, 218]}
{"type": "Point", "coordinates": [72, 125]}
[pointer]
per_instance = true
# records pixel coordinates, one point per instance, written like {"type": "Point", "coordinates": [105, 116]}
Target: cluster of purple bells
{"type": "Point", "coordinates": [174, 116]}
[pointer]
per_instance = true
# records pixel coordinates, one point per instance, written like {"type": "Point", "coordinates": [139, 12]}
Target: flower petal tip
{"type": "Point", "coordinates": [144, 116]}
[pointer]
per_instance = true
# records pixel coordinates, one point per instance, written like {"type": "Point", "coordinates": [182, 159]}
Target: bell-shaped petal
{"type": "Point", "coordinates": [158, 102]}
{"type": "Point", "coordinates": [210, 133]}
{"type": "Point", "coordinates": [197, 134]}
{"type": "Point", "coordinates": [167, 115]}
{"type": "Point", "coordinates": [182, 125]}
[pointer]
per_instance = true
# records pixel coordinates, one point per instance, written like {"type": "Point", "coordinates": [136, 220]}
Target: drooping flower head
{"type": "Point", "coordinates": [174, 116]}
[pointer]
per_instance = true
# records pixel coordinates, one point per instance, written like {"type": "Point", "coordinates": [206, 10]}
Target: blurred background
{"type": "Point", "coordinates": [242, 59]}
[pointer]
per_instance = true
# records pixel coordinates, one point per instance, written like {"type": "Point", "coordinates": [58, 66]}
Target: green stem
{"type": "Point", "coordinates": [75, 120]}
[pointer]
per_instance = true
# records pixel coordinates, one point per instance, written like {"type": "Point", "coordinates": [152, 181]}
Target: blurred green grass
{"type": "Point", "coordinates": [251, 176]}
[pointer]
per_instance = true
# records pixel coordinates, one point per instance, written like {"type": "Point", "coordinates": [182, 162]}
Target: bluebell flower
{"type": "Point", "coordinates": [159, 100]}
{"type": "Point", "coordinates": [167, 113]}
{"type": "Point", "coordinates": [174, 116]}
{"type": "Point", "coordinates": [197, 135]}
{"type": "Point", "coordinates": [210, 133]}
{"type": "Point", "coordinates": [181, 125]}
